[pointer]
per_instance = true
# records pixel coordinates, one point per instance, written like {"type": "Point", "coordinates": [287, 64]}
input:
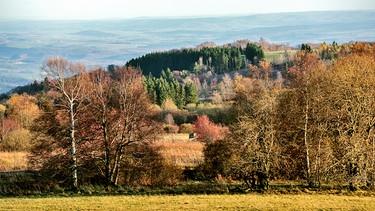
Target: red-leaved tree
{"type": "Point", "coordinates": [207, 132]}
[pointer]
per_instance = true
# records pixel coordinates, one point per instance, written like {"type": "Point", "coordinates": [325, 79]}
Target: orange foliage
{"type": "Point", "coordinates": [23, 109]}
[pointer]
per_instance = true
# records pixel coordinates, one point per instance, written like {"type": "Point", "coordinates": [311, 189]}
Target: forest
{"type": "Point", "coordinates": [310, 117]}
{"type": "Point", "coordinates": [220, 59]}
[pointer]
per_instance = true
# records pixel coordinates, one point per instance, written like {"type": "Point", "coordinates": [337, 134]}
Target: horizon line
{"type": "Point", "coordinates": [175, 17]}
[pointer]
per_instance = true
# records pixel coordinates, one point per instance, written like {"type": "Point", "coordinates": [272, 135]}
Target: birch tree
{"type": "Point", "coordinates": [306, 75]}
{"type": "Point", "coordinates": [68, 79]}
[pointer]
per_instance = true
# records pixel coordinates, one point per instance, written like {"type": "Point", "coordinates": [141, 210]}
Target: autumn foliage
{"type": "Point", "coordinates": [207, 132]}
{"type": "Point", "coordinates": [312, 121]}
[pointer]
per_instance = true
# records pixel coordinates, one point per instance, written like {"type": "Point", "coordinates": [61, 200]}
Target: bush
{"type": "Point", "coordinates": [17, 140]}
{"type": "Point", "coordinates": [217, 159]}
{"type": "Point", "coordinates": [180, 116]}
{"type": "Point", "coordinates": [186, 128]}
{"type": "Point", "coordinates": [146, 167]}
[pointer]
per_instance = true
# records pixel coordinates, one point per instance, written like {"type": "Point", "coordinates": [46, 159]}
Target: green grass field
{"type": "Point", "coordinates": [276, 56]}
{"type": "Point", "coordinates": [193, 202]}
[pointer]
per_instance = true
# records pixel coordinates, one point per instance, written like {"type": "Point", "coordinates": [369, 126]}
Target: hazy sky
{"type": "Point", "coordinates": [99, 9]}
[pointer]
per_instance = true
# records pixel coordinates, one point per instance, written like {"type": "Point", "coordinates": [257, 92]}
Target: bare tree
{"type": "Point", "coordinates": [255, 133]}
{"type": "Point", "coordinates": [350, 98]}
{"type": "Point", "coordinates": [226, 88]}
{"type": "Point", "coordinates": [122, 114]}
{"type": "Point", "coordinates": [306, 77]}
{"type": "Point", "coordinates": [67, 79]}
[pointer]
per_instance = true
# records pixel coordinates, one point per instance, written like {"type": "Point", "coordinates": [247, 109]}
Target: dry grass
{"type": "Point", "coordinates": [193, 202]}
{"type": "Point", "coordinates": [179, 150]}
{"type": "Point", "coordinates": [176, 148]}
{"type": "Point", "coordinates": [13, 161]}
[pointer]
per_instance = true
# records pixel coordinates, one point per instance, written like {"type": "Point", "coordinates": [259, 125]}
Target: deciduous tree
{"type": "Point", "coordinates": [206, 131]}
{"type": "Point", "coordinates": [255, 132]}
{"type": "Point", "coordinates": [351, 102]}
{"type": "Point", "coordinates": [123, 117]}
{"type": "Point", "coordinates": [23, 108]}
{"type": "Point", "coordinates": [307, 74]}
{"type": "Point", "coordinates": [68, 80]}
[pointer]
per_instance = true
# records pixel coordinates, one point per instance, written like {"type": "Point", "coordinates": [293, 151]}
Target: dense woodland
{"type": "Point", "coordinates": [313, 120]}
{"type": "Point", "coordinates": [219, 60]}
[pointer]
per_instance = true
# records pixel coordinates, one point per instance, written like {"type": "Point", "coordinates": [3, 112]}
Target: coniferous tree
{"type": "Point", "coordinates": [254, 53]}
{"type": "Point", "coordinates": [191, 93]}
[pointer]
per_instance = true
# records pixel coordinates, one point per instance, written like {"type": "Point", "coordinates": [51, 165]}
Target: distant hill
{"type": "Point", "coordinates": [24, 45]}
{"type": "Point", "coordinates": [93, 33]}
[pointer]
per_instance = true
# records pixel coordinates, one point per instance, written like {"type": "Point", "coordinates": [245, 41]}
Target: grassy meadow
{"type": "Point", "coordinates": [193, 202]}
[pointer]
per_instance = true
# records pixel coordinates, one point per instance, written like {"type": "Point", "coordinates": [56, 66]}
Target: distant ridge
{"type": "Point", "coordinates": [24, 44]}
{"type": "Point", "coordinates": [93, 33]}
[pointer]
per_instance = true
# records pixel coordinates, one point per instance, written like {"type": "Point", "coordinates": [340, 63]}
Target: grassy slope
{"type": "Point", "coordinates": [193, 202]}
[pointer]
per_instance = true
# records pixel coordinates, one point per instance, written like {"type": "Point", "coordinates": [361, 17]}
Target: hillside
{"type": "Point", "coordinates": [25, 44]}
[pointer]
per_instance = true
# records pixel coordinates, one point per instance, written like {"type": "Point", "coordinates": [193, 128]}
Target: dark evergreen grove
{"type": "Point", "coordinates": [217, 59]}
{"type": "Point", "coordinates": [166, 87]}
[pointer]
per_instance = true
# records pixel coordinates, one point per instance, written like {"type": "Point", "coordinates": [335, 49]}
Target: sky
{"type": "Point", "coordinates": [110, 9]}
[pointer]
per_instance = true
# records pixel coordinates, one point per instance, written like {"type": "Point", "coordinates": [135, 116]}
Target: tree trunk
{"type": "Point", "coordinates": [116, 166]}
{"type": "Point", "coordinates": [107, 164]}
{"type": "Point", "coordinates": [73, 148]}
{"type": "Point", "coordinates": [309, 179]}
{"type": "Point", "coordinates": [107, 155]}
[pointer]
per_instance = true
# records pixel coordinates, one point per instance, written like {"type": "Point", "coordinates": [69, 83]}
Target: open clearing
{"type": "Point", "coordinates": [193, 202]}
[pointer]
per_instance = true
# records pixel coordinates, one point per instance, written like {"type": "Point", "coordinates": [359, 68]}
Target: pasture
{"type": "Point", "coordinates": [193, 202]}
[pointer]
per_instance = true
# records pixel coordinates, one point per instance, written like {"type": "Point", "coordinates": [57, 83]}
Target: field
{"type": "Point", "coordinates": [179, 150]}
{"type": "Point", "coordinates": [193, 202]}
{"type": "Point", "coordinates": [176, 149]}
{"type": "Point", "coordinates": [13, 161]}
{"type": "Point", "coordinates": [277, 56]}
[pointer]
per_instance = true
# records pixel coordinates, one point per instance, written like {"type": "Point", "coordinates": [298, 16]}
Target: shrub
{"type": "Point", "coordinates": [186, 128]}
{"type": "Point", "coordinates": [17, 140]}
{"type": "Point", "coordinates": [183, 116]}
{"type": "Point", "coordinates": [146, 167]}
{"type": "Point", "coordinates": [218, 157]}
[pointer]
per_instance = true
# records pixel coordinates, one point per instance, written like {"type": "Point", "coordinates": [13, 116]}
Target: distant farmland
{"type": "Point", "coordinates": [25, 44]}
